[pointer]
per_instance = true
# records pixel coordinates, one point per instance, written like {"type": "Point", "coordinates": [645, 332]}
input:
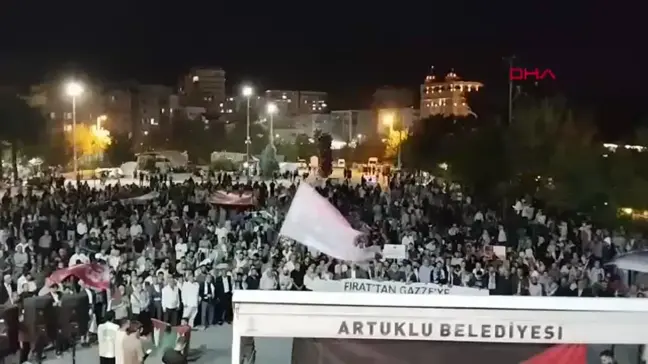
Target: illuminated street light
{"type": "Point", "coordinates": [247, 92]}
{"type": "Point", "coordinates": [388, 120]}
{"type": "Point", "coordinates": [272, 108]}
{"type": "Point", "coordinates": [74, 89]}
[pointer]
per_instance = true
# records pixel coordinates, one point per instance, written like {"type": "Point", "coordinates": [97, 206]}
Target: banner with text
{"type": "Point", "coordinates": [369, 286]}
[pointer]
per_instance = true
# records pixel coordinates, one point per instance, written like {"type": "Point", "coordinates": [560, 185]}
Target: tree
{"type": "Point", "coordinates": [306, 146]}
{"type": "Point", "coordinates": [433, 140]}
{"type": "Point", "coordinates": [555, 155]}
{"type": "Point", "coordinates": [89, 140]}
{"type": "Point", "coordinates": [368, 148]}
{"type": "Point", "coordinates": [288, 150]}
{"type": "Point", "coordinates": [120, 150]}
{"type": "Point", "coordinates": [20, 125]}
{"type": "Point", "coordinates": [325, 155]}
{"type": "Point", "coordinates": [549, 151]}
{"type": "Point", "coordinates": [394, 141]}
{"type": "Point", "coordinates": [237, 132]}
{"type": "Point", "coordinates": [198, 136]}
{"type": "Point", "coordinates": [268, 162]}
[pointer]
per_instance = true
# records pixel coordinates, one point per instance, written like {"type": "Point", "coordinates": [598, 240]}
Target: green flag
{"type": "Point", "coordinates": [164, 337]}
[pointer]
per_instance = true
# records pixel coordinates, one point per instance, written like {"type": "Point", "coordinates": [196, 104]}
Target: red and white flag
{"type": "Point", "coordinates": [94, 275]}
{"type": "Point", "coordinates": [314, 222]}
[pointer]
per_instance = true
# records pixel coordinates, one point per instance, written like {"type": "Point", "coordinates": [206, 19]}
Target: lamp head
{"type": "Point", "coordinates": [73, 89]}
{"type": "Point", "coordinates": [247, 91]}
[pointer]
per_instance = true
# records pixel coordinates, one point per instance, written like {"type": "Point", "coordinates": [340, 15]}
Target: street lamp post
{"type": "Point", "coordinates": [271, 109]}
{"type": "Point", "coordinates": [74, 89]}
{"type": "Point", "coordinates": [247, 93]}
{"type": "Point", "coordinates": [510, 60]}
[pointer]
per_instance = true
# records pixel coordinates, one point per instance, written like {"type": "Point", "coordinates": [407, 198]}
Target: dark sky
{"type": "Point", "coordinates": [595, 48]}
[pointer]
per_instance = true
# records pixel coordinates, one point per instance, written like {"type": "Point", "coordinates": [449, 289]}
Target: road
{"type": "Point", "coordinates": [216, 341]}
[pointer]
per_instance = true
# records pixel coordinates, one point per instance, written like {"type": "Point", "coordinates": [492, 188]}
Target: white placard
{"type": "Point", "coordinates": [499, 251]}
{"type": "Point", "coordinates": [394, 251]}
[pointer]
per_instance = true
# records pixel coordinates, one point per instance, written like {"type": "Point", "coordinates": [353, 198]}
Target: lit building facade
{"type": "Point", "coordinates": [50, 98]}
{"type": "Point", "coordinates": [293, 102]}
{"type": "Point", "coordinates": [119, 107]}
{"type": "Point", "coordinates": [353, 124]}
{"type": "Point", "coordinates": [447, 96]}
{"type": "Point", "coordinates": [313, 102]}
{"type": "Point", "coordinates": [287, 101]}
{"type": "Point", "coordinates": [142, 111]}
{"type": "Point", "coordinates": [203, 87]}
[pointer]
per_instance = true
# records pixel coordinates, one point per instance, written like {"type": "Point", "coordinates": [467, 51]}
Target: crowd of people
{"type": "Point", "coordinates": [176, 256]}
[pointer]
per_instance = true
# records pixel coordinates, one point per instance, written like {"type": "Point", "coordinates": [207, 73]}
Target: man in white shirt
{"type": "Point", "coordinates": [114, 260]}
{"type": "Point", "coordinates": [139, 300]}
{"type": "Point", "coordinates": [190, 290]}
{"type": "Point", "coordinates": [82, 228]}
{"type": "Point", "coordinates": [120, 335]}
{"type": "Point", "coordinates": [26, 283]}
{"type": "Point", "coordinates": [77, 257]}
{"type": "Point", "coordinates": [106, 336]}
{"type": "Point", "coordinates": [181, 249]}
{"type": "Point", "coordinates": [135, 230]}
{"type": "Point", "coordinates": [171, 302]}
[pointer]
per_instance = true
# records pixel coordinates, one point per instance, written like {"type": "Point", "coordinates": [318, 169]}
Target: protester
{"type": "Point", "coordinates": [132, 349]}
{"type": "Point", "coordinates": [173, 252]}
{"type": "Point", "coordinates": [106, 337]}
{"type": "Point", "coordinates": [120, 338]}
{"type": "Point", "coordinates": [175, 355]}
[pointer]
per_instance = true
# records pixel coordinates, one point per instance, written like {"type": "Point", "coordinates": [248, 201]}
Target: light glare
{"type": "Point", "coordinates": [73, 89]}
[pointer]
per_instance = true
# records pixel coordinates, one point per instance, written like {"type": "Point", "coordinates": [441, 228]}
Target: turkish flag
{"type": "Point", "coordinates": [561, 354]}
{"type": "Point", "coordinates": [94, 275]}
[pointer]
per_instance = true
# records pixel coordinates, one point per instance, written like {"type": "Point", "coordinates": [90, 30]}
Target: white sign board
{"type": "Point", "coordinates": [394, 251]}
{"type": "Point", "coordinates": [503, 326]}
{"type": "Point", "coordinates": [370, 286]}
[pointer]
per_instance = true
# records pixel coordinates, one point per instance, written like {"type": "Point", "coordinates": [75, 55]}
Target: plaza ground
{"type": "Point", "coordinates": [215, 344]}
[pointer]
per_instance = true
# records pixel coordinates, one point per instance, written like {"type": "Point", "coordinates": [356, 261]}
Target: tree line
{"type": "Point", "coordinates": [549, 150]}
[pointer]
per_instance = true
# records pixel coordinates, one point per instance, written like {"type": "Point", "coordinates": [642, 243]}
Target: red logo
{"type": "Point", "coordinates": [523, 74]}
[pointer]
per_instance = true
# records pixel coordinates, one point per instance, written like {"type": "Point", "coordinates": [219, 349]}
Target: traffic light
{"type": "Point", "coordinates": [325, 155]}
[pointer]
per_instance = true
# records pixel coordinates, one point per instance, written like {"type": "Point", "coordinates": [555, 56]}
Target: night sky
{"type": "Point", "coordinates": [595, 48]}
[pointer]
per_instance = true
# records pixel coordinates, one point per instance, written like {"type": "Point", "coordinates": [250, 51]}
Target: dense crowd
{"type": "Point", "coordinates": [177, 256]}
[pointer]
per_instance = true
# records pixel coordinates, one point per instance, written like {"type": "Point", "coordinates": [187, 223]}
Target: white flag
{"type": "Point", "coordinates": [314, 222]}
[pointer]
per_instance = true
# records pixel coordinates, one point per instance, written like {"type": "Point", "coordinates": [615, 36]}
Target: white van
{"type": "Point", "coordinates": [341, 163]}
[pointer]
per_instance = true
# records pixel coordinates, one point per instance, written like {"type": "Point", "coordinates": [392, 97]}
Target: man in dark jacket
{"type": "Point", "coordinates": [176, 354]}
